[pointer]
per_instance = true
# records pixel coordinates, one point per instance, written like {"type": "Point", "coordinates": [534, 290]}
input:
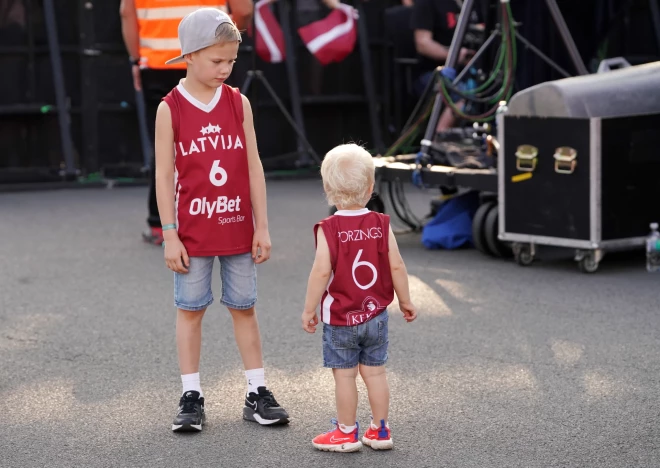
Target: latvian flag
{"type": "Point", "coordinates": [333, 38]}
{"type": "Point", "coordinates": [269, 40]}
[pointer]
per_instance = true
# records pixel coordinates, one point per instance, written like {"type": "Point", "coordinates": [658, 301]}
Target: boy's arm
{"type": "Point", "coordinates": [400, 279]}
{"type": "Point", "coordinates": [317, 282]}
{"type": "Point", "coordinates": [176, 256]}
{"type": "Point", "coordinates": [165, 166]}
{"type": "Point", "coordinates": [257, 187]}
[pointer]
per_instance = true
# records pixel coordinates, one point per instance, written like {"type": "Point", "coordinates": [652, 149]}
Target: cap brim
{"type": "Point", "coordinates": [178, 59]}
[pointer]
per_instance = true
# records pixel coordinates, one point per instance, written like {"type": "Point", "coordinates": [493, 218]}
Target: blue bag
{"type": "Point", "coordinates": [451, 227]}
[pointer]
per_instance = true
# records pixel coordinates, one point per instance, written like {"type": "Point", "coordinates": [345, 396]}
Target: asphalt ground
{"type": "Point", "coordinates": [506, 366]}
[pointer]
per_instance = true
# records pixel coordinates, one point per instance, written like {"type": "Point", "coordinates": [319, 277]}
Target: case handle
{"type": "Point", "coordinates": [526, 158]}
{"type": "Point", "coordinates": [565, 160]}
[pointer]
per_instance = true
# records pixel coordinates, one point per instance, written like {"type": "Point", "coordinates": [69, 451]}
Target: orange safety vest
{"type": "Point", "coordinates": [158, 24]}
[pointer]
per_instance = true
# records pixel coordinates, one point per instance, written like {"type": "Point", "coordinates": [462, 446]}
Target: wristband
{"type": "Point", "coordinates": [134, 61]}
{"type": "Point", "coordinates": [168, 227]}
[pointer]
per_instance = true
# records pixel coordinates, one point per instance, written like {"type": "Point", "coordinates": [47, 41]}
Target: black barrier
{"type": "Point", "coordinates": [101, 103]}
{"type": "Point", "coordinates": [96, 104]}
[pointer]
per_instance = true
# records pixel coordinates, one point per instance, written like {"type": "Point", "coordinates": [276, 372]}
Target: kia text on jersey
{"type": "Point", "coordinates": [361, 286]}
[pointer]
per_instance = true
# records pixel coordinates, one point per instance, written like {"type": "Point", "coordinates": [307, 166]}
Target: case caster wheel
{"type": "Point", "coordinates": [491, 229]}
{"type": "Point", "coordinates": [478, 228]}
{"type": "Point", "coordinates": [523, 254]}
{"type": "Point", "coordinates": [588, 263]}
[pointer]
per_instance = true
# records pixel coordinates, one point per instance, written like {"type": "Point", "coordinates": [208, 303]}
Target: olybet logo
{"type": "Point", "coordinates": [210, 129]}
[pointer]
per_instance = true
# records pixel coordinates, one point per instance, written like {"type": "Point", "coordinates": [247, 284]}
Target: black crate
{"type": "Point", "coordinates": [604, 199]}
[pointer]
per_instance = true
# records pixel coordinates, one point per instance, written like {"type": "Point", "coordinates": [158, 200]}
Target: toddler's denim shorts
{"type": "Point", "coordinates": [366, 344]}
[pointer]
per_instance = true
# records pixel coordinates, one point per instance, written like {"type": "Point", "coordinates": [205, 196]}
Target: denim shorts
{"type": "Point", "coordinates": [366, 344]}
{"type": "Point", "coordinates": [192, 291]}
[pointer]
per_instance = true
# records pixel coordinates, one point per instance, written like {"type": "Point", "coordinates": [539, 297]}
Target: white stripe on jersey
{"type": "Point", "coordinates": [177, 189]}
{"type": "Point", "coordinates": [327, 302]}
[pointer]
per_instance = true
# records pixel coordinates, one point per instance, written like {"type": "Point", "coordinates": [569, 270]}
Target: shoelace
{"type": "Point", "coordinates": [334, 423]}
{"type": "Point", "coordinates": [269, 400]}
{"type": "Point", "coordinates": [188, 407]}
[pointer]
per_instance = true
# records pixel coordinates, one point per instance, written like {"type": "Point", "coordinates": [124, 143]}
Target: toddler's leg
{"type": "Point", "coordinates": [378, 436]}
{"type": "Point", "coordinates": [375, 378]}
{"type": "Point", "coordinates": [346, 395]}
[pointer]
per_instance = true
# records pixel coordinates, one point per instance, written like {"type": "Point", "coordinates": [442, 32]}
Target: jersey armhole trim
{"type": "Point", "coordinates": [238, 103]}
{"type": "Point", "coordinates": [174, 114]}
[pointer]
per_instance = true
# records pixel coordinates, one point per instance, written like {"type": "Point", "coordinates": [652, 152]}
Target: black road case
{"type": "Point", "coordinates": [579, 164]}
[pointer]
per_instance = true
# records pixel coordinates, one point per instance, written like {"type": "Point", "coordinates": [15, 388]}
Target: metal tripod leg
{"type": "Point", "coordinates": [655, 16]}
{"type": "Point", "coordinates": [301, 135]}
{"type": "Point", "coordinates": [367, 76]}
{"type": "Point", "coordinates": [541, 55]}
{"type": "Point", "coordinates": [452, 59]}
{"type": "Point", "coordinates": [566, 37]}
{"type": "Point", "coordinates": [294, 91]}
{"type": "Point", "coordinates": [63, 115]}
{"type": "Point", "coordinates": [248, 81]}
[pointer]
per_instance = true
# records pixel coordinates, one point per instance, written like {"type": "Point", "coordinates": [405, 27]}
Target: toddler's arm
{"type": "Point", "coordinates": [317, 282]}
{"type": "Point", "coordinates": [400, 279]}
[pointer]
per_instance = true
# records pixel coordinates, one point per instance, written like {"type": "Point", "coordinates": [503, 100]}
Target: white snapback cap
{"type": "Point", "coordinates": [197, 31]}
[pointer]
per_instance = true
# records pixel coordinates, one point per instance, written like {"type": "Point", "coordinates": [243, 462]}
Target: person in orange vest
{"type": "Point", "coordinates": [150, 32]}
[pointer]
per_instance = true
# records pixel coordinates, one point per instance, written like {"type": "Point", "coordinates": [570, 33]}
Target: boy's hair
{"type": "Point", "coordinates": [228, 32]}
{"type": "Point", "coordinates": [348, 172]}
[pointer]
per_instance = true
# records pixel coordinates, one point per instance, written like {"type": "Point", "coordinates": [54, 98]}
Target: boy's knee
{"type": "Point", "coordinates": [242, 313]}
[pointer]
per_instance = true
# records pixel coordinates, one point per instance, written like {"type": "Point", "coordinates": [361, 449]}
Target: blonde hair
{"type": "Point", "coordinates": [348, 172]}
{"type": "Point", "coordinates": [228, 32]}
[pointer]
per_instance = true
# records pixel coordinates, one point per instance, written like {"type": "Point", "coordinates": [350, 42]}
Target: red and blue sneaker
{"type": "Point", "coordinates": [338, 441]}
{"type": "Point", "coordinates": [378, 438]}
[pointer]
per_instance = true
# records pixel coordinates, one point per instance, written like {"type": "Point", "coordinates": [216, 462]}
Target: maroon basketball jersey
{"type": "Point", "coordinates": [212, 182]}
{"type": "Point", "coordinates": [361, 286]}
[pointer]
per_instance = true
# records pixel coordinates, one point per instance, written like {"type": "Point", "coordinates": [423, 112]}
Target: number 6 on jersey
{"type": "Point", "coordinates": [356, 264]}
{"type": "Point", "coordinates": [215, 171]}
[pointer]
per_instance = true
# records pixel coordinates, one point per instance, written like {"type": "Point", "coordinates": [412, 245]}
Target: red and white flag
{"type": "Point", "coordinates": [333, 38]}
{"type": "Point", "coordinates": [269, 40]}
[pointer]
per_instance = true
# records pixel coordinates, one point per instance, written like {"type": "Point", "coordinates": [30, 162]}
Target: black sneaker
{"type": "Point", "coordinates": [262, 408]}
{"type": "Point", "coordinates": [190, 415]}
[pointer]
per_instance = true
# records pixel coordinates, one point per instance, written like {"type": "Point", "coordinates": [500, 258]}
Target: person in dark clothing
{"type": "Point", "coordinates": [156, 83]}
{"type": "Point", "coordinates": [433, 23]}
{"type": "Point", "coordinates": [152, 75]}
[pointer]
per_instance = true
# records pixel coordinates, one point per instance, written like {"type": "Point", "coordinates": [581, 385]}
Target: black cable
{"type": "Point", "coordinates": [406, 206]}
{"type": "Point", "coordinates": [396, 208]}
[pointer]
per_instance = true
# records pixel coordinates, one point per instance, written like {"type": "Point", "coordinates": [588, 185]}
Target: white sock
{"type": "Point", "coordinates": [346, 429]}
{"type": "Point", "coordinates": [255, 379]}
{"type": "Point", "coordinates": [191, 383]}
